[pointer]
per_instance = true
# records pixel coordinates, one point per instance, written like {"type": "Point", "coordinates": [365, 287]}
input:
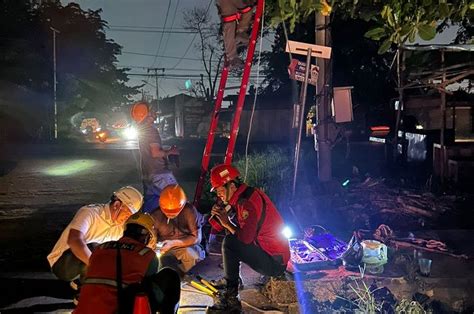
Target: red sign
{"type": "Point", "coordinates": [297, 70]}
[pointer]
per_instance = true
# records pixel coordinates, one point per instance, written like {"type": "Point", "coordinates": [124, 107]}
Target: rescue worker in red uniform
{"type": "Point", "coordinates": [236, 17]}
{"type": "Point", "coordinates": [119, 270]}
{"type": "Point", "coordinates": [256, 239]}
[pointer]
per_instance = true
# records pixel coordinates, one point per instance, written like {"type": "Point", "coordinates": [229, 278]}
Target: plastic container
{"type": "Point", "coordinates": [425, 266]}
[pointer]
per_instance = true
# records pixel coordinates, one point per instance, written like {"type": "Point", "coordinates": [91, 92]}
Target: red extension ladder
{"type": "Point", "coordinates": [238, 110]}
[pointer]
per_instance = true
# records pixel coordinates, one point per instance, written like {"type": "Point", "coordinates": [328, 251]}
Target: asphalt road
{"type": "Point", "coordinates": [41, 188]}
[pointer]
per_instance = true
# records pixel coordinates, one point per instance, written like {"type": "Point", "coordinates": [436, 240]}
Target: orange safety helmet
{"type": "Point", "coordinates": [172, 200]}
{"type": "Point", "coordinates": [139, 111]}
{"type": "Point", "coordinates": [221, 174]}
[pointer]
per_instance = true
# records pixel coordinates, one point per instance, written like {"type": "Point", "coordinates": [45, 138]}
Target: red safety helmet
{"type": "Point", "coordinates": [139, 111]}
{"type": "Point", "coordinates": [221, 174]}
{"type": "Point", "coordinates": [172, 200]}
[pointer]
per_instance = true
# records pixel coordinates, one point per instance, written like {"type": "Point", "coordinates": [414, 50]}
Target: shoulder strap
{"type": "Point", "coordinates": [119, 279]}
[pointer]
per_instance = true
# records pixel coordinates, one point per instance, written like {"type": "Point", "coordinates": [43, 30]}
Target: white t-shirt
{"type": "Point", "coordinates": [95, 222]}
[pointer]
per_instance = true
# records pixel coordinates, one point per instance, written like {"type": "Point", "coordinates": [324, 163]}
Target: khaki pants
{"type": "Point", "coordinates": [182, 259]}
{"type": "Point", "coordinates": [234, 33]}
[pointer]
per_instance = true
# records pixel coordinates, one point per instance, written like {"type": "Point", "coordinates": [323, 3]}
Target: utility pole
{"type": "Point", "coordinates": [155, 70]}
{"type": "Point", "coordinates": [322, 36]}
{"type": "Point", "coordinates": [55, 31]}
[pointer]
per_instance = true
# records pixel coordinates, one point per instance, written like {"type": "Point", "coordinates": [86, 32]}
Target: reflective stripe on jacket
{"type": "Point", "coordinates": [99, 292]}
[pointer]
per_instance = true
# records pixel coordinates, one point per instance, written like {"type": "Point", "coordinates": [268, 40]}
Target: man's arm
{"type": "Point", "coordinates": [78, 245]}
{"type": "Point", "coordinates": [158, 152]}
{"type": "Point", "coordinates": [191, 223]}
{"type": "Point", "coordinates": [224, 219]}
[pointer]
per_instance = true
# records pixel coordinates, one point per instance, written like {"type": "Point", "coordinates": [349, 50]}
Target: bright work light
{"type": "Point", "coordinates": [287, 232]}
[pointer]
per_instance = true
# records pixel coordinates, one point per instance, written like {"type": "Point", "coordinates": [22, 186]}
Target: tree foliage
{"type": "Point", "coordinates": [87, 76]}
{"type": "Point", "coordinates": [395, 22]}
{"type": "Point", "coordinates": [355, 63]}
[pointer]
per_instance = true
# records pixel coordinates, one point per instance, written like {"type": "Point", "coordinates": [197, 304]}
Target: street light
{"type": "Point", "coordinates": [54, 83]}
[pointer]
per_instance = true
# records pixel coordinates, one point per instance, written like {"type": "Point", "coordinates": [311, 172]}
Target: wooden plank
{"type": "Point", "coordinates": [300, 48]}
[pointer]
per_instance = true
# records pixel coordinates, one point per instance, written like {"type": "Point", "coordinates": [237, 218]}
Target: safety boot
{"type": "Point", "coordinates": [222, 283]}
{"type": "Point", "coordinates": [226, 302]}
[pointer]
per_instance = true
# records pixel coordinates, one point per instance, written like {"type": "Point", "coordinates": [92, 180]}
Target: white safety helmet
{"type": "Point", "coordinates": [130, 197]}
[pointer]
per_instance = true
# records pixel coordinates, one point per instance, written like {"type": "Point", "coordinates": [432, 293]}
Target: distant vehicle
{"type": "Point", "coordinates": [90, 126]}
{"type": "Point", "coordinates": [102, 136]}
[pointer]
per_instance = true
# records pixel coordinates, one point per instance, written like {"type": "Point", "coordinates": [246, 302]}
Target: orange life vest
{"type": "Point", "coordinates": [99, 292]}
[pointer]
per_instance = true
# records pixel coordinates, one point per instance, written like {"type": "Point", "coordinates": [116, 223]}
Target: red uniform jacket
{"type": "Point", "coordinates": [99, 293]}
{"type": "Point", "coordinates": [249, 213]}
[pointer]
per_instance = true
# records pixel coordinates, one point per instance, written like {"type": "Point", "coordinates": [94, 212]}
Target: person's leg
{"type": "Point", "coordinates": [150, 199]}
{"type": "Point", "coordinates": [162, 180]}
{"type": "Point", "coordinates": [241, 34]}
{"type": "Point", "coordinates": [153, 190]}
{"type": "Point", "coordinates": [188, 257]}
{"type": "Point", "coordinates": [68, 267]}
{"type": "Point", "coordinates": [169, 260]}
{"type": "Point", "coordinates": [227, 10]}
{"type": "Point", "coordinates": [234, 251]}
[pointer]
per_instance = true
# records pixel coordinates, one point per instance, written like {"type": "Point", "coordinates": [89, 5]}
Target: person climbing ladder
{"type": "Point", "coordinates": [236, 16]}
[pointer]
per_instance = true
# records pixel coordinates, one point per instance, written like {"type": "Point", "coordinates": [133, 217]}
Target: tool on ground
{"type": "Point", "coordinates": [207, 284]}
{"type": "Point", "coordinates": [202, 288]}
{"type": "Point", "coordinates": [238, 108]}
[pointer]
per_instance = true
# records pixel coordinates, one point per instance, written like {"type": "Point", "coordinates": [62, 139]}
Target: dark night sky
{"type": "Point", "coordinates": [152, 14]}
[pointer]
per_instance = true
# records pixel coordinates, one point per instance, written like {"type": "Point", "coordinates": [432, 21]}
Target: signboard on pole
{"type": "Point", "coordinates": [297, 70]}
{"type": "Point", "coordinates": [300, 48]}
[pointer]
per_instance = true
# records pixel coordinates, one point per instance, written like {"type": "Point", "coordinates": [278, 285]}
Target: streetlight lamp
{"type": "Point", "coordinates": [55, 31]}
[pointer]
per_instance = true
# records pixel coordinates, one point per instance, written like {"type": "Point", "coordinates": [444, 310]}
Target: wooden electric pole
{"type": "Point", "coordinates": [322, 36]}
{"type": "Point", "coordinates": [155, 70]}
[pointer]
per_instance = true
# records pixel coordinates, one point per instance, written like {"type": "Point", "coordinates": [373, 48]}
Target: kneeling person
{"type": "Point", "coordinates": [255, 240]}
{"type": "Point", "coordinates": [119, 270]}
{"type": "Point", "coordinates": [93, 224]}
{"type": "Point", "coordinates": [177, 226]}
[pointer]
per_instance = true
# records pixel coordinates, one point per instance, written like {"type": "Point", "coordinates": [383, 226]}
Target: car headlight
{"type": "Point", "coordinates": [130, 133]}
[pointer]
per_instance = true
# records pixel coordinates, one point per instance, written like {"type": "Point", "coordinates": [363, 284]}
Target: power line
{"type": "Point", "coordinates": [166, 69]}
{"type": "Point", "coordinates": [163, 31]}
{"type": "Point", "coordinates": [147, 27]}
{"type": "Point", "coordinates": [191, 43]}
{"type": "Point", "coordinates": [161, 56]}
{"type": "Point", "coordinates": [161, 38]}
{"type": "Point", "coordinates": [164, 76]}
{"type": "Point", "coordinates": [172, 23]}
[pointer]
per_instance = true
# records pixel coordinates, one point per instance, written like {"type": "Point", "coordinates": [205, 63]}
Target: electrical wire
{"type": "Point", "coordinates": [254, 99]}
{"type": "Point", "coordinates": [161, 56]}
{"type": "Point", "coordinates": [161, 38]}
{"type": "Point", "coordinates": [172, 24]}
{"type": "Point", "coordinates": [147, 27]}
{"type": "Point", "coordinates": [194, 38]}
{"type": "Point", "coordinates": [164, 31]}
{"type": "Point", "coordinates": [166, 69]}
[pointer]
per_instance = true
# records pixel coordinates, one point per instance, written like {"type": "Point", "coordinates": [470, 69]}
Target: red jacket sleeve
{"type": "Point", "coordinates": [247, 216]}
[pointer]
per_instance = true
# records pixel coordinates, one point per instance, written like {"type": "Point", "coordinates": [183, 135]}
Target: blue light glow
{"type": "Point", "coordinates": [287, 232]}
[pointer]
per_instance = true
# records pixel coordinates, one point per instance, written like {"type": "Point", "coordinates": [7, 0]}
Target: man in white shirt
{"type": "Point", "coordinates": [92, 224]}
